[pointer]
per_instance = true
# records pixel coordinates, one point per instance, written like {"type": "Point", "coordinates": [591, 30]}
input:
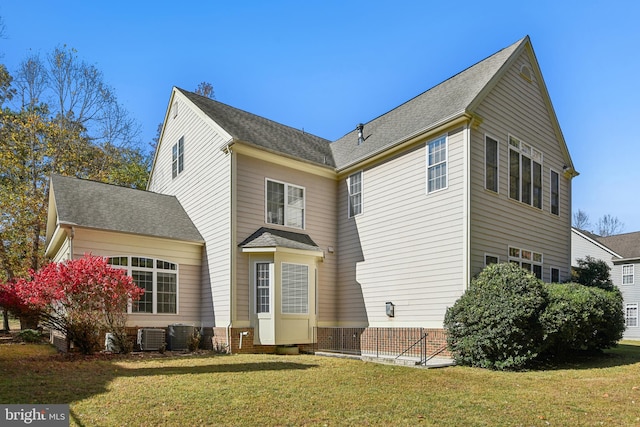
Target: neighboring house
{"type": "Point", "coordinates": [360, 239]}
{"type": "Point", "coordinates": [622, 253]}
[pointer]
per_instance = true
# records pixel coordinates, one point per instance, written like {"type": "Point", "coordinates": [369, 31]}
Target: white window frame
{"type": "Point", "coordinates": [631, 321]}
{"type": "Point", "coordinates": [129, 268]}
{"type": "Point", "coordinates": [551, 192]}
{"type": "Point", "coordinates": [551, 269]}
{"type": "Point", "coordinates": [437, 165]}
{"type": "Point", "coordinates": [353, 195]}
{"type": "Point", "coordinates": [497, 166]}
{"type": "Point", "coordinates": [286, 206]}
{"type": "Point", "coordinates": [269, 288]}
{"type": "Point", "coordinates": [177, 158]}
{"type": "Point", "coordinates": [628, 274]}
{"type": "Point", "coordinates": [487, 255]}
{"type": "Point", "coordinates": [535, 156]}
{"type": "Point", "coordinates": [282, 289]}
{"type": "Point", "coordinates": [527, 259]}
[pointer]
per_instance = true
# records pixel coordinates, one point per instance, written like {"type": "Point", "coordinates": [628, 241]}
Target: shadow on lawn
{"type": "Point", "coordinates": [48, 379]}
{"type": "Point", "coordinates": [622, 355]}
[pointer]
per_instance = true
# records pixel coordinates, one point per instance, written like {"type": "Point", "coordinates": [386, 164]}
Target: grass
{"type": "Point", "coordinates": [246, 390]}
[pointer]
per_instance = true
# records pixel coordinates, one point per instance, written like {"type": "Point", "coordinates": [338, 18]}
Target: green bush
{"type": "Point", "coordinates": [495, 324]}
{"type": "Point", "coordinates": [593, 272]}
{"type": "Point", "coordinates": [30, 335]}
{"type": "Point", "coordinates": [581, 317]}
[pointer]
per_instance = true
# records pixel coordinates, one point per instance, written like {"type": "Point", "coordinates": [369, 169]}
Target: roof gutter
{"type": "Point", "coordinates": [458, 118]}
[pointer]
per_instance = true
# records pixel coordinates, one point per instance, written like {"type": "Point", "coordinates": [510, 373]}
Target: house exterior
{"type": "Point", "coordinates": [376, 233]}
{"type": "Point", "coordinates": [621, 252]}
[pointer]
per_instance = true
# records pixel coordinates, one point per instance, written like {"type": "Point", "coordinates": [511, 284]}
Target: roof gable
{"type": "Point", "coordinates": [438, 105]}
{"type": "Point", "coordinates": [258, 131]}
{"type": "Point", "coordinates": [109, 207]}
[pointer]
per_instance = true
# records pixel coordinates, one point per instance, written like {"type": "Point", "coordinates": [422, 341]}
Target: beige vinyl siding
{"type": "Point", "coordinates": [204, 190]}
{"type": "Point", "coordinates": [63, 253]}
{"type": "Point", "coordinates": [320, 209]}
{"type": "Point", "coordinates": [516, 107]}
{"type": "Point", "coordinates": [407, 246]}
{"type": "Point", "coordinates": [188, 257]}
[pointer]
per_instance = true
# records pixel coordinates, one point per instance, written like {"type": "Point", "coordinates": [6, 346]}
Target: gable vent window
{"type": "Point", "coordinates": [525, 173]}
{"type": "Point", "coordinates": [177, 158]}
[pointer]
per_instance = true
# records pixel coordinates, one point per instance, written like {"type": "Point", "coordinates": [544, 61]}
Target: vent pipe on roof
{"type": "Point", "coordinates": [360, 129]}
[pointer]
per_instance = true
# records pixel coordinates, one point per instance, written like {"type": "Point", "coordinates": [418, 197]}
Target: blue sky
{"type": "Point", "coordinates": [326, 66]}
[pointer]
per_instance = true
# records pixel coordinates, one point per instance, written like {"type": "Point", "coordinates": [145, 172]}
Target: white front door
{"type": "Point", "coordinates": [263, 309]}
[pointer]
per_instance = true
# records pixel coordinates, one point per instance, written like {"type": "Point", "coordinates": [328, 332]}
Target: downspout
{"type": "Point", "coordinates": [466, 207]}
{"type": "Point", "coordinates": [226, 148]}
{"type": "Point", "coordinates": [72, 234]}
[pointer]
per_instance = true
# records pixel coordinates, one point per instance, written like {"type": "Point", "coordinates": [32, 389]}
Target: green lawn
{"type": "Point", "coordinates": [265, 390]}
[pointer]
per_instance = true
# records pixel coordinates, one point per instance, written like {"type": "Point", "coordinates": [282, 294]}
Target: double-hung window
{"type": "Point", "coordinates": [177, 158]}
{"type": "Point", "coordinates": [491, 164]}
{"type": "Point", "coordinates": [627, 274]}
{"type": "Point", "coordinates": [158, 279]}
{"type": "Point", "coordinates": [262, 287]}
{"type": "Point", "coordinates": [355, 194]}
{"type": "Point", "coordinates": [631, 315]}
{"type": "Point", "coordinates": [437, 164]}
{"type": "Point", "coordinates": [285, 204]}
{"type": "Point", "coordinates": [525, 173]}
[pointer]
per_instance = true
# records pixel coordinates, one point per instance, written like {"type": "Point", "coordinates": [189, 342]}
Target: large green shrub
{"type": "Point", "coordinates": [495, 324]}
{"type": "Point", "coordinates": [580, 317]}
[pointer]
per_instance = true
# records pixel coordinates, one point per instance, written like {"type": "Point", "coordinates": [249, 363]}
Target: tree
{"type": "Point", "coordinates": [80, 298]}
{"type": "Point", "coordinates": [609, 225]}
{"type": "Point", "coordinates": [205, 89]}
{"type": "Point", "coordinates": [593, 273]}
{"type": "Point", "coordinates": [581, 220]}
{"type": "Point", "coordinates": [37, 141]}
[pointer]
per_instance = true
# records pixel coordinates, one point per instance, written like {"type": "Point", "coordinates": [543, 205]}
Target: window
{"type": "Point", "coordinates": [555, 193]}
{"type": "Point", "coordinates": [555, 275]}
{"type": "Point", "coordinates": [285, 204]}
{"type": "Point", "coordinates": [177, 158]}
{"type": "Point", "coordinates": [525, 173]}
{"type": "Point", "coordinates": [437, 164]}
{"type": "Point", "coordinates": [158, 278]}
{"type": "Point", "coordinates": [490, 259]}
{"type": "Point", "coordinates": [627, 274]}
{"type": "Point", "coordinates": [355, 194]}
{"type": "Point", "coordinates": [631, 315]}
{"type": "Point", "coordinates": [529, 260]}
{"type": "Point", "coordinates": [262, 287]}
{"type": "Point", "coordinates": [295, 288]}
{"type": "Point", "coordinates": [491, 163]}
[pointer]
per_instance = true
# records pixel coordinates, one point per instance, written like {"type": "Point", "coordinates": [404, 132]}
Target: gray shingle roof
{"type": "Point", "coordinates": [626, 245]}
{"type": "Point", "coordinates": [270, 238]}
{"type": "Point", "coordinates": [436, 105]}
{"type": "Point", "coordinates": [265, 133]}
{"type": "Point", "coordinates": [102, 206]}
